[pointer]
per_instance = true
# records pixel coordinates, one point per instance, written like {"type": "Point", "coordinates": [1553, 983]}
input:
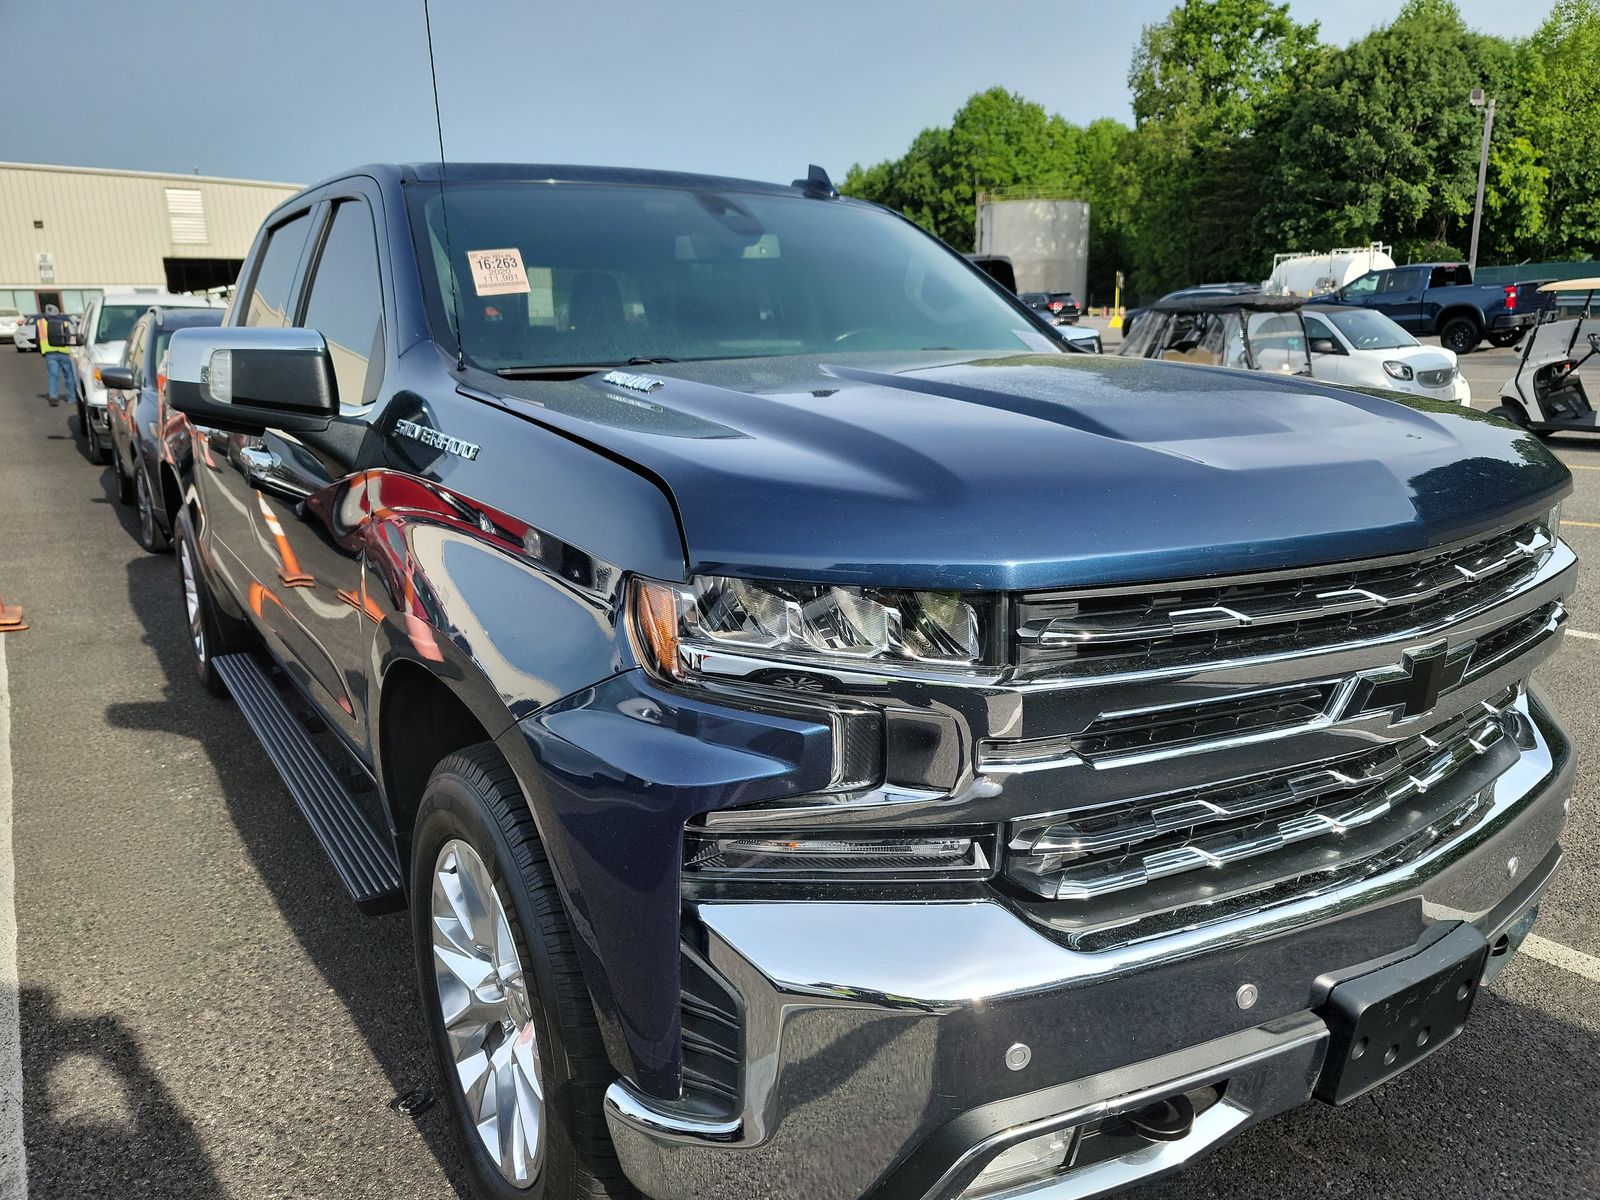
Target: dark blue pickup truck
{"type": "Point", "coordinates": [832, 740]}
{"type": "Point", "coordinates": [1441, 299]}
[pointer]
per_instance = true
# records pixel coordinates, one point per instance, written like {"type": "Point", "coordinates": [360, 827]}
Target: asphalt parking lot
{"type": "Point", "coordinates": [203, 1013]}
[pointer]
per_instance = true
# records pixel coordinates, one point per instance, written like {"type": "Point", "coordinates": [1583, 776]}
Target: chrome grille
{"type": "Point", "coordinates": [1089, 856]}
{"type": "Point", "coordinates": [1435, 379]}
{"type": "Point", "coordinates": [1167, 729]}
{"type": "Point", "coordinates": [1061, 634]}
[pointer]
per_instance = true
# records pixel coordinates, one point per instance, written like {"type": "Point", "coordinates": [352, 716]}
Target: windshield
{"type": "Point", "coordinates": [599, 273]}
{"type": "Point", "coordinates": [116, 321]}
{"type": "Point", "coordinates": [1368, 330]}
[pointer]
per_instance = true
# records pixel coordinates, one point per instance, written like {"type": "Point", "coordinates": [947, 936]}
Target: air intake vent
{"type": "Point", "coordinates": [713, 1037]}
{"type": "Point", "coordinates": [186, 213]}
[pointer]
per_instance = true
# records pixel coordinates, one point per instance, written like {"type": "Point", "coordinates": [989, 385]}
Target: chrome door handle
{"type": "Point", "coordinates": [263, 470]}
{"type": "Point", "coordinates": [257, 461]}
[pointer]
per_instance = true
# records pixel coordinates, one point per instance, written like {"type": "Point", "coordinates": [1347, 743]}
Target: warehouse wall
{"type": "Point", "coordinates": [115, 226]}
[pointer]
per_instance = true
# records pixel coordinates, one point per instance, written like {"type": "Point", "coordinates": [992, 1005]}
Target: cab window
{"type": "Point", "coordinates": [269, 291]}
{"type": "Point", "coordinates": [1365, 286]}
{"type": "Point", "coordinates": [1401, 281]}
{"type": "Point", "coordinates": [345, 304]}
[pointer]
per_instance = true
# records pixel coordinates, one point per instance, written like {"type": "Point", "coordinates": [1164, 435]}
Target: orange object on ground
{"type": "Point", "coordinates": [11, 618]}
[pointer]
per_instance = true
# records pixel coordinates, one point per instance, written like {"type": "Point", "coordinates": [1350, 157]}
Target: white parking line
{"type": "Point", "coordinates": [1584, 634]}
{"type": "Point", "coordinates": [13, 1163]}
{"type": "Point", "coordinates": [1557, 955]}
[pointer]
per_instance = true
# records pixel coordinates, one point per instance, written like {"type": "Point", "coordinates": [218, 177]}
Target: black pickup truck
{"type": "Point", "coordinates": [1441, 299]}
{"type": "Point", "coordinates": [833, 741]}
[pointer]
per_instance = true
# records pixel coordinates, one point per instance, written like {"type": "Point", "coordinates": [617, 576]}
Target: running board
{"type": "Point", "coordinates": [362, 856]}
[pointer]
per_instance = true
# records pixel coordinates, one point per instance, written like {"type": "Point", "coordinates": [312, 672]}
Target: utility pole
{"type": "Point", "coordinates": [1477, 101]}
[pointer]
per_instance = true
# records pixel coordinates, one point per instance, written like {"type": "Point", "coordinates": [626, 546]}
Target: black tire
{"type": "Point", "coordinates": [1505, 337]}
{"type": "Point", "coordinates": [1514, 413]}
{"type": "Point", "coordinates": [1461, 335]}
{"type": "Point", "coordinates": [210, 632]}
{"type": "Point", "coordinates": [96, 452]}
{"type": "Point", "coordinates": [473, 797]}
{"type": "Point", "coordinates": [124, 482]}
{"type": "Point", "coordinates": [151, 536]}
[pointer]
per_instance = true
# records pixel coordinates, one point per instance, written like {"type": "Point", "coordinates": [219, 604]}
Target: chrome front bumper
{"type": "Point", "coordinates": [880, 1039]}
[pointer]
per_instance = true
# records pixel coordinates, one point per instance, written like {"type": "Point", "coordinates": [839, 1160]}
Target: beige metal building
{"type": "Point", "coordinates": [69, 232]}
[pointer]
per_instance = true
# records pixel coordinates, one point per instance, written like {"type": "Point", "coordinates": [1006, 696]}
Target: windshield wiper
{"type": "Point", "coordinates": [575, 370]}
{"type": "Point", "coordinates": [555, 370]}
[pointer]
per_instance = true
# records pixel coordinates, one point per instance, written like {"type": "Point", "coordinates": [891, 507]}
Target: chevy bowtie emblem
{"type": "Point", "coordinates": [1413, 688]}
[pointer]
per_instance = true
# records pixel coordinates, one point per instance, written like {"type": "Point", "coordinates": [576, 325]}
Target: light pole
{"type": "Point", "coordinates": [1477, 101]}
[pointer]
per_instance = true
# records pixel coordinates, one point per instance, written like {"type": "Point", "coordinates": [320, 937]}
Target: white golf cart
{"type": "Point", "coordinates": [1546, 396]}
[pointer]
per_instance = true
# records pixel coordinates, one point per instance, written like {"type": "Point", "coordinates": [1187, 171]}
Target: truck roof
{"type": "Point", "coordinates": [480, 172]}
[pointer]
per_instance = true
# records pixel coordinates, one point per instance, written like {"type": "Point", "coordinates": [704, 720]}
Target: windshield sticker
{"type": "Point", "coordinates": [497, 272]}
{"type": "Point", "coordinates": [1034, 340]}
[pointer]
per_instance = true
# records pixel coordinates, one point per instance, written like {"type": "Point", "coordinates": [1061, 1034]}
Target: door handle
{"type": "Point", "coordinates": [263, 470]}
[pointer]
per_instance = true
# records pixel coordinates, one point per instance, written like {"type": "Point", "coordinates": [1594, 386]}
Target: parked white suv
{"type": "Point", "coordinates": [104, 330]}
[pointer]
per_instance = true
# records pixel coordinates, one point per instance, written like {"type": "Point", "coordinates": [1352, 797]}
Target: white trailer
{"type": "Point", "coordinates": [1317, 272]}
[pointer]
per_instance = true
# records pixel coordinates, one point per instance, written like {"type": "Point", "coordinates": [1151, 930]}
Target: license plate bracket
{"type": "Point", "coordinates": [1388, 1020]}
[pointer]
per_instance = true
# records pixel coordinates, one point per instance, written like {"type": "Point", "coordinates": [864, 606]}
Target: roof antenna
{"type": "Point", "coordinates": [816, 182]}
{"type": "Point", "coordinates": [444, 213]}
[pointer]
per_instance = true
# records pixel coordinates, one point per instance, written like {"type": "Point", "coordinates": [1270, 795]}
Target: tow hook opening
{"type": "Point", "coordinates": [1127, 1136]}
{"type": "Point", "coordinates": [1168, 1120]}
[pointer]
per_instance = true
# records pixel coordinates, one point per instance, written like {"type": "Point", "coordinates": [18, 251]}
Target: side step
{"type": "Point", "coordinates": [361, 855]}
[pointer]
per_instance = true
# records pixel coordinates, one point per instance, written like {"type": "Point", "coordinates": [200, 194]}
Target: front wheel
{"type": "Point", "coordinates": [511, 1022]}
{"type": "Point", "coordinates": [97, 456]}
{"type": "Point", "coordinates": [1460, 335]}
{"type": "Point", "coordinates": [210, 632]}
{"type": "Point", "coordinates": [124, 482]}
{"type": "Point", "coordinates": [1505, 337]}
{"type": "Point", "coordinates": [151, 536]}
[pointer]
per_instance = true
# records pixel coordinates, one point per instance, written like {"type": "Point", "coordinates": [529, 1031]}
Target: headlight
{"type": "Point", "coordinates": [819, 624]}
{"type": "Point", "coordinates": [1396, 370]}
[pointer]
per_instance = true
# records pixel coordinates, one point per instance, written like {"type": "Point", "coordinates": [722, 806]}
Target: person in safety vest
{"type": "Point", "coordinates": [55, 346]}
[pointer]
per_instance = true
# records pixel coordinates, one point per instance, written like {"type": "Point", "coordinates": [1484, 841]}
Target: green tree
{"type": "Point", "coordinates": [1381, 143]}
{"type": "Point", "coordinates": [1558, 112]}
{"type": "Point", "coordinates": [999, 141]}
{"type": "Point", "coordinates": [1207, 82]}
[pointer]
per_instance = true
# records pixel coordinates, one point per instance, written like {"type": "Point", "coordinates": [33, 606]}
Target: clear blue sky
{"type": "Point", "coordinates": [295, 90]}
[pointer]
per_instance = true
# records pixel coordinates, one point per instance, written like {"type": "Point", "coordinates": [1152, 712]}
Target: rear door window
{"type": "Point", "coordinates": [1401, 281]}
{"type": "Point", "coordinates": [269, 291]}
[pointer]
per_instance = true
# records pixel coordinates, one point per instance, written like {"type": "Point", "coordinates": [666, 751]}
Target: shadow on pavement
{"type": "Point", "coordinates": [366, 961]}
{"type": "Point", "coordinates": [1464, 1122]}
{"type": "Point", "coordinates": [97, 1112]}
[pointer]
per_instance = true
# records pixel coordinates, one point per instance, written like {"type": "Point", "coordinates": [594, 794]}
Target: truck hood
{"type": "Point", "coordinates": [1038, 471]}
{"type": "Point", "coordinates": [107, 352]}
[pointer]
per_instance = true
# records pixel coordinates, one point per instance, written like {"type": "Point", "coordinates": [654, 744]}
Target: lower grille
{"type": "Point", "coordinates": [1188, 846]}
{"type": "Point", "coordinates": [713, 1026]}
{"type": "Point", "coordinates": [1435, 379]}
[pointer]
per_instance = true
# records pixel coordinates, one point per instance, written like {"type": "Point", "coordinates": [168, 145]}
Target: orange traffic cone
{"type": "Point", "coordinates": [11, 618]}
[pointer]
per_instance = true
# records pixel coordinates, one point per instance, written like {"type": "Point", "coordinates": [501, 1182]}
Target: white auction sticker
{"type": "Point", "coordinates": [497, 272]}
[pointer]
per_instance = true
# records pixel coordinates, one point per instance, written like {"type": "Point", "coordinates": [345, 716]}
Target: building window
{"type": "Point", "coordinates": [186, 211]}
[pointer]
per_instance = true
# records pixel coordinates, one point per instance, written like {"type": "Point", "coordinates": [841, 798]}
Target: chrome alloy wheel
{"type": "Point", "coordinates": [191, 601]}
{"type": "Point", "coordinates": [483, 998]}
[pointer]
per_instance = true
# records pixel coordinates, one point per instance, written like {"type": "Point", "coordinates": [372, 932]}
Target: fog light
{"type": "Point", "coordinates": [1027, 1162]}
